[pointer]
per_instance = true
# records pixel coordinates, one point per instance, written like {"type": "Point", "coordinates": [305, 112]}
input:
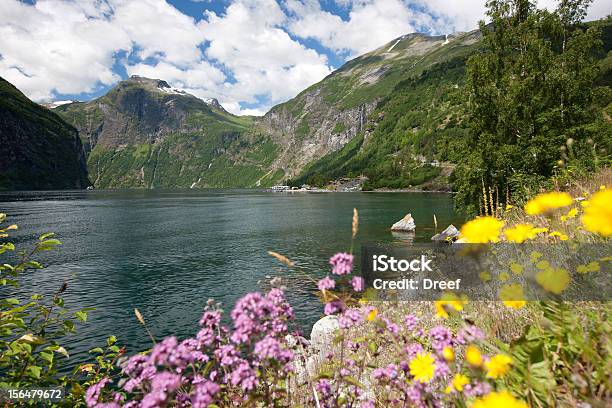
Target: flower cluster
{"type": "Point", "coordinates": [217, 366]}
{"type": "Point", "coordinates": [438, 367]}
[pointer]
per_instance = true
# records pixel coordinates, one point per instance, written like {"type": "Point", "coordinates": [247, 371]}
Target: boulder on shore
{"type": "Point", "coordinates": [323, 333]}
{"type": "Point", "coordinates": [451, 233]}
{"type": "Point", "coordinates": [405, 224]}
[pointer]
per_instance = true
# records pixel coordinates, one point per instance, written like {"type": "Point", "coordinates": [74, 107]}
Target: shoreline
{"type": "Point", "coordinates": [400, 190]}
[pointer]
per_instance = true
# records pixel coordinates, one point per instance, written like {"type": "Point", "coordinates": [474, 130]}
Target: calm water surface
{"type": "Point", "coordinates": [167, 252]}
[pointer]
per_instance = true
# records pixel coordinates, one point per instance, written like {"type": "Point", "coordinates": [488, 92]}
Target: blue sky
{"type": "Point", "coordinates": [249, 54]}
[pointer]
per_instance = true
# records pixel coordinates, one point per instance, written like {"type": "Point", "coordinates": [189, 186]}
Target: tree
{"type": "Point", "coordinates": [529, 90]}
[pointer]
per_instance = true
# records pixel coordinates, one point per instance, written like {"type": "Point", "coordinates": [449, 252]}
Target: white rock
{"type": "Point", "coordinates": [322, 334]}
{"type": "Point", "coordinates": [449, 234]}
{"type": "Point", "coordinates": [405, 224]}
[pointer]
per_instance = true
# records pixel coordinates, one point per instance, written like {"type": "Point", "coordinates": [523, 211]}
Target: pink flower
{"type": "Point", "coordinates": [244, 376]}
{"type": "Point", "coordinates": [227, 355]}
{"type": "Point", "coordinates": [92, 395]}
{"type": "Point", "coordinates": [270, 348]}
{"type": "Point", "coordinates": [204, 394]}
{"type": "Point", "coordinates": [440, 338]}
{"type": "Point", "coordinates": [411, 322]}
{"type": "Point", "coordinates": [333, 307]}
{"type": "Point", "coordinates": [358, 283]}
{"type": "Point", "coordinates": [342, 263]}
{"type": "Point", "coordinates": [350, 317]}
{"type": "Point", "coordinates": [210, 319]}
{"type": "Point", "coordinates": [324, 387]}
{"type": "Point", "coordinates": [326, 284]}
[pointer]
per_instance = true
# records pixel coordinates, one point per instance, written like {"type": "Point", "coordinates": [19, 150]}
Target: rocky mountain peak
{"type": "Point", "coordinates": [162, 86]}
{"type": "Point", "coordinates": [213, 102]}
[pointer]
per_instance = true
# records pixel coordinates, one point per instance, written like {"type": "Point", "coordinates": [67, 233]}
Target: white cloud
{"type": "Point", "coordinates": [369, 25]}
{"type": "Point", "coordinates": [57, 46]}
{"type": "Point", "coordinates": [158, 29]}
{"type": "Point", "coordinates": [248, 39]}
{"type": "Point", "coordinates": [242, 56]}
{"type": "Point", "coordinates": [464, 15]}
{"type": "Point", "coordinates": [66, 47]}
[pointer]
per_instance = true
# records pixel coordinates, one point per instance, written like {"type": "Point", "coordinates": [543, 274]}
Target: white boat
{"type": "Point", "coordinates": [280, 188]}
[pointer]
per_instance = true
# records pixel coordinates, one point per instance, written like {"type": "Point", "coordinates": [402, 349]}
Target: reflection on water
{"type": "Point", "coordinates": [167, 252]}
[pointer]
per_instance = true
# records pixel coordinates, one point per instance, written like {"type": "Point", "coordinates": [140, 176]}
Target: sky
{"type": "Point", "coordinates": [249, 54]}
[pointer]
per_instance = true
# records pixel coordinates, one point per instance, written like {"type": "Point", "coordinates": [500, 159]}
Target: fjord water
{"type": "Point", "coordinates": [167, 252]}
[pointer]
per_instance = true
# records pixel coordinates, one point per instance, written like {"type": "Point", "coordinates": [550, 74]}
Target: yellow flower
{"type": "Point", "coordinates": [516, 268]}
{"type": "Point", "coordinates": [547, 202]}
{"type": "Point", "coordinates": [535, 255]}
{"type": "Point", "coordinates": [512, 296]}
{"type": "Point", "coordinates": [561, 236]}
{"type": "Point", "coordinates": [459, 381]}
{"type": "Point", "coordinates": [543, 265]}
{"type": "Point", "coordinates": [501, 399]}
{"type": "Point", "coordinates": [485, 276]}
{"type": "Point", "coordinates": [570, 214]}
{"type": "Point", "coordinates": [521, 233]}
{"type": "Point", "coordinates": [448, 303]}
{"type": "Point", "coordinates": [504, 276]}
{"type": "Point", "coordinates": [481, 230]}
{"type": "Point", "coordinates": [422, 367]}
{"type": "Point", "coordinates": [590, 267]}
{"type": "Point", "coordinates": [371, 315]}
{"type": "Point", "coordinates": [585, 203]}
{"type": "Point", "coordinates": [448, 353]}
{"type": "Point", "coordinates": [597, 216]}
{"type": "Point", "coordinates": [553, 280]}
{"type": "Point", "coordinates": [498, 366]}
{"type": "Point", "coordinates": [473, 356]}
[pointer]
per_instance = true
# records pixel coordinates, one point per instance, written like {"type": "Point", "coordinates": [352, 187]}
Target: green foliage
{"type": "Point", "coordinates": [38, 149]}
{"type": "Point", "coordinates": [420, 115]}
{"type": "Point", "coordinates": [530, 89]}
{"type": "Point", "coordinates": [339, 127]}
{"type": "Point", "coordinates": [564, 357]}
{"type": "Point", "coordinates": [32, 329]}
{"type": "Point", "coordinates": [194, 141]}
{"type": "Point", "coordinates": [302, 129]}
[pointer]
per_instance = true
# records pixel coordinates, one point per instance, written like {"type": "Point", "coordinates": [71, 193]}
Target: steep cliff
{"type": "Point", "coordinates": [331, 114]}
{"type": "Point", "coordinates": [38, 150]}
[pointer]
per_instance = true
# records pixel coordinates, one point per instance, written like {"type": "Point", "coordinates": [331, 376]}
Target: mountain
{"type": "Point", "coordinates": [396, 115]}
{"type": "Point", "coordinates": [38, 149]}
{"type": "Point", "coordinates": [336, 113]}
{"type": "Point", "coordinates": [404, 128]}
{"type": "Point", "coordinates": [143, 133]}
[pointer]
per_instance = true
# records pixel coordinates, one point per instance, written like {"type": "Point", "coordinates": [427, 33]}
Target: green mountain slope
{"type": "Point", "coordinates": [332, 119]}
{"type": "Point", "coordinates": [38, 150]}
{"type": "Point", "coordinates": [396, 115]}
{"type": "Point", "coordinates": [145, 134]}
{"type": "Point", "coordinates": [414, 133]}
{"type": "Point", "coordinates": [399, 146]}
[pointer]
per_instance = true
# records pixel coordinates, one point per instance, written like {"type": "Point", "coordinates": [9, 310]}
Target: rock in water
{"type": "Point", "coordinates": [405, 224]}
{"type": "Point", "coordinates": [451, 233]}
